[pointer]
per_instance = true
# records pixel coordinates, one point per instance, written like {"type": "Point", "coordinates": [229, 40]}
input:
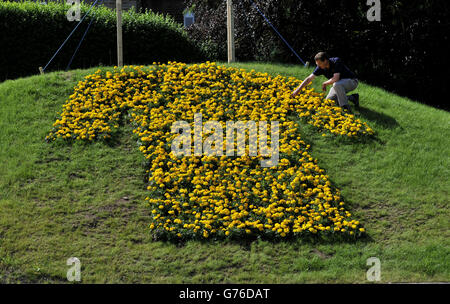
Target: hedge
{"type": "Point", "coordinates": [31, 32]}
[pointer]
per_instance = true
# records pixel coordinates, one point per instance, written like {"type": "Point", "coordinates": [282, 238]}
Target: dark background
{"type": "Point", "coordinates": [406, 52]}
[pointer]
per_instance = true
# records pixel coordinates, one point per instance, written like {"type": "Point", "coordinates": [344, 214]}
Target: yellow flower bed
{"type": "Point", "coordinates": [205, 196]}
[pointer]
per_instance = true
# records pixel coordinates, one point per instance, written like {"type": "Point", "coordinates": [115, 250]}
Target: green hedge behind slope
{"type": "Point", "coordinates": [30, 33]}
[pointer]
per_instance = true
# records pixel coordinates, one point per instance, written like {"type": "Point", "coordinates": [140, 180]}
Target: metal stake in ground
{"type": "Point", "coordinates": [230, 31]}
{"type": "Point", "coordinates": [119, 33]}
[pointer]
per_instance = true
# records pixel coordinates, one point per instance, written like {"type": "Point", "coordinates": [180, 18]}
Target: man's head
{"type": "Point", "coordinates": [322, 60]}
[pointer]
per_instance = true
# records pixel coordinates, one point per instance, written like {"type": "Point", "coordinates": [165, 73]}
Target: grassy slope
{"type": "Point", "coordinates": [59, 202]}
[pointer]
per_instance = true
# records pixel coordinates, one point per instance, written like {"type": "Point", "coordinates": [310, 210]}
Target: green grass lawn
{"type": "Point", "coordinates": [88, 201]}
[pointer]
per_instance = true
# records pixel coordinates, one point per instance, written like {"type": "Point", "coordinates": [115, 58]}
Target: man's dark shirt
{"type": "Point", "coordinates": [336, 66]}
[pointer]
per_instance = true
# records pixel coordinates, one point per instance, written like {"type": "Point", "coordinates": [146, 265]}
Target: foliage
{"type": "Point", "coordinates": [404, 52]}
{"type": "Point", "coordinates": [30, 34]}
{"type": "Point", "coordinates": [221, 195]}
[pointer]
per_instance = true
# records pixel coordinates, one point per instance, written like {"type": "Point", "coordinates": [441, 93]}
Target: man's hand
{"type": "Point", "coordinates": [324, 86]}
{"type": "Point", "coordinates": [293, 94]}
{"type": "Point", "coordinates": [303, 85]}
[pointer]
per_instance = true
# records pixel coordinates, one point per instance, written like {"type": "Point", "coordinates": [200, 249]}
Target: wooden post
{"type": "Point", "coordinates": [230, 31]}
{"type": "Point", "coordinates": [119, 33]}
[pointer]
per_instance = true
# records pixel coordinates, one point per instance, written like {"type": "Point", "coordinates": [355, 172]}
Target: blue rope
{"type": "Point", "coordinates": [79, 22]}
{"type": "Point", "coordinates": [253, 3]}
{"type": "Point", "coordinates": [79, 44]}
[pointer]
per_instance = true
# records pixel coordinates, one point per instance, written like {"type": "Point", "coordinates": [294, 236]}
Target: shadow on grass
{"type": "Point", "coordinates": [380, 119]}
{"type": "Point", "coordinates": [115, 140]}
{"type": "Point", "coordinates": [311, 136]}
{"type": "Point", "coordinates": [245, 241]}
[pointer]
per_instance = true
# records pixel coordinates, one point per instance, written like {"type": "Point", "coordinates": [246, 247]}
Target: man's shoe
{"type": "Point", "coordinates": [355, 99]}
{"type": "Point", "coordinates": [347, 108]}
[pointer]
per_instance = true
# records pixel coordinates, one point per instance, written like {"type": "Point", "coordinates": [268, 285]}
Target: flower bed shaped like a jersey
{"type": "Point", "coordinates": [206, 196]}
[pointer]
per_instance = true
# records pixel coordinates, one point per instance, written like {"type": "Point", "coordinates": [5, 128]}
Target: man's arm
{"type": "Point", "coordinates": [303, 84]}
{"type": "Point", "coordinates": [336, 77]}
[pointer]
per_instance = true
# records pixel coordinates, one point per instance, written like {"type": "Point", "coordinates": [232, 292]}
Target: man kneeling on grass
{"type": "Point", "coordinates": [339, 75]}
